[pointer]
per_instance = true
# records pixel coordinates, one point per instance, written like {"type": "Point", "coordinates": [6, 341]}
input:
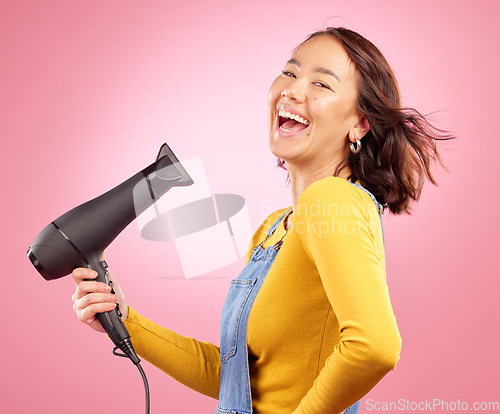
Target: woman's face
{"type": "Point", "coordinates": [312, 106]}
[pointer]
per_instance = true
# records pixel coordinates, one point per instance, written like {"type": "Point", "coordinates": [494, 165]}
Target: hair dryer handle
{"type": "Point", "coordinates": [111, 320]}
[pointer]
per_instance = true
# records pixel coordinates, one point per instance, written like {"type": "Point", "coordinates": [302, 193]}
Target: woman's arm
{"type": "Point", "coordinates": [344, 241]}
{"type": "Point", "coordinates": [190, 362]}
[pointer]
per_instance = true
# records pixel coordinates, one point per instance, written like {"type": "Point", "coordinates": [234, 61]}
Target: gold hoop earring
{"type": "Point", "coordinates": [355, 149]}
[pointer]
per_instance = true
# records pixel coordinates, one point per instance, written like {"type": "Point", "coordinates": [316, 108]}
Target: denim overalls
{"type": "Point", "coordinates": [234, 392]}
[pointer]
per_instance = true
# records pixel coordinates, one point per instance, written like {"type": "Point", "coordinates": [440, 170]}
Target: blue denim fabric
{"type": "Point", "coordinates": [353, 409]}
{"type": "Point", "coordinates": [380, 207]}
{"type": "Point", "coordinates": [234, 393]}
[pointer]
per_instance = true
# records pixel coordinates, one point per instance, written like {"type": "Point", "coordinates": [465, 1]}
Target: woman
{"type": "Point", "coordinates": [321, 332]}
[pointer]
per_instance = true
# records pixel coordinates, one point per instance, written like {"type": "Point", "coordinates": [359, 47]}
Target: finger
{"type": "Point", "coordinates": [90, 286]}
{"type": "Point", "coordinates": [82, 273]}
{"type": "Point", "coordinates": [87, 315]}
{"type": "Point", "coordinates": [86, 287]}
{"type": "Point", "coordinates": [93, 298]}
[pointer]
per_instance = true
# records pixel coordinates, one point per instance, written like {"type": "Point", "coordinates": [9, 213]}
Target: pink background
{"type": "Point", "coordinates": [89, 91]}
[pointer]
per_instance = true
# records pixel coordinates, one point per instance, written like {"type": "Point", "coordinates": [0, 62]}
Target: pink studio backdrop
{"type": "Point", "coordinates": [89, 91]}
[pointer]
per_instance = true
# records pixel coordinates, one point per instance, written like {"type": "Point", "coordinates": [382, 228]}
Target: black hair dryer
{"type": "Point", "coordinates": [79, 237]}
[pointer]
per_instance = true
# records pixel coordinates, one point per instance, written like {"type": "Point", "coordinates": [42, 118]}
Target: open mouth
{"type": "Point", "coordinates": [289, 122]}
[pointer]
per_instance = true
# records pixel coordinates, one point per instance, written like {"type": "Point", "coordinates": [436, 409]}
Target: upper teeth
{"type": "Point", "coordinates": [285, 114]}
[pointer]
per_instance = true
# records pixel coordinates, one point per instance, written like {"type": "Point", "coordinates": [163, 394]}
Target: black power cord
{"type": "Point", "coordinates": [143, 374]}
{"type": "Point", "coordinates": [146, 386]}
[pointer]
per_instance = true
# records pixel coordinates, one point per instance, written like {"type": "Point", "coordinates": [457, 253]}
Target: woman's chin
{"type": "Point", "coordinates": [283, 150]}
{"type": "Point", "coordinates": [282, 155]}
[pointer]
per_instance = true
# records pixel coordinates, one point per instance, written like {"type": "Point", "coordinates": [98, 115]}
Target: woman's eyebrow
{"type": "Point", "coordinates": [327, 72]}
{"type": "Point", "coordinates": [295, 62]}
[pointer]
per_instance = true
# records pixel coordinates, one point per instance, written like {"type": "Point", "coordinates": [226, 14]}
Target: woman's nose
{"type": "Point", "coordinates": [295, 92]}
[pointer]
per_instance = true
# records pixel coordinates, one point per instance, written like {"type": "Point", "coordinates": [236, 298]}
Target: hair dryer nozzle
{"type": "Point", "coordinates": [166, 172]}
{"type": "Point", "coordinates": [165, 151]}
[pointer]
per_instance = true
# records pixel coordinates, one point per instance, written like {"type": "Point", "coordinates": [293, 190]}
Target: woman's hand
{"type": "Point", "coordinates": [93, 297]}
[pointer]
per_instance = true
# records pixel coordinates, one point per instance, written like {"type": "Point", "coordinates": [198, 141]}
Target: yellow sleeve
{"type": "Point", "coordinates": [340, 231]}
{"type": "Point", "coordinates": [192, 363]}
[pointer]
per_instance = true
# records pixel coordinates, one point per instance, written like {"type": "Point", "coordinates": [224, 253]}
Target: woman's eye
{"type": "Point", "coordinates": [322, 85]}
{"type": "Point", "coordinates": [288, 73]}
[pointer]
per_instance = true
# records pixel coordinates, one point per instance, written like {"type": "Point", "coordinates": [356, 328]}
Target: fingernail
{"type": "Point", "coordinates": [93, 273]}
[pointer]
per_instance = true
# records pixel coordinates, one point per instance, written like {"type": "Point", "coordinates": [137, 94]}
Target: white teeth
{"type": "Point", "coordinates": [297, 118]}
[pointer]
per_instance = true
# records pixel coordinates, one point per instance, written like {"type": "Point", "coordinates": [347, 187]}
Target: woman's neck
{"type": "Point", "coordinates": [301, 178]}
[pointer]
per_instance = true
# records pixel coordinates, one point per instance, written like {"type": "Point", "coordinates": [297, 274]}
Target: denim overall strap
{"type": "Point", "coordinates": [234, 392]}
{"type": "Point", "coordinates": [380, 207]}
{"type": "Point", "coordinates": [277, 223]}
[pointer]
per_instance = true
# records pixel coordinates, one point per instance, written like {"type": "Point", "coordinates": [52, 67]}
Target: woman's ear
{"type": "Point", "coordinates": [359, 130]}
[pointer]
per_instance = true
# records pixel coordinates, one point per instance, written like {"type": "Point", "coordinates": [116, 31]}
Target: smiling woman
{"type": "Point", "coordinates": [308, 326]}
{"type": "Point", "coordinates": [319, 84]}
{"type": "Point", "coordinates": [392, 148]}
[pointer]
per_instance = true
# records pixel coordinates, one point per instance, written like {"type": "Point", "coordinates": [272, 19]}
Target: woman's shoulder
{"type": "Point", "coordinates": [334, 188]}
{"type": "Point", "coordinates": [271, 219]}
{"type": "Point", "coordinates": [330, 195]}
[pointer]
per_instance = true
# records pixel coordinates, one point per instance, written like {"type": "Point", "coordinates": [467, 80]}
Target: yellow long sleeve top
{"type": "Point", "coordinates": [321, 332]}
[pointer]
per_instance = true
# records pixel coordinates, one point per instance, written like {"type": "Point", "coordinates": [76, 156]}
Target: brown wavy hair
{"type": "Point", "coordinates": [398, 151]}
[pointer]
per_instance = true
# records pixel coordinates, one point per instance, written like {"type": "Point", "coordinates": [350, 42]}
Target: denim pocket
{"type": "Point", "coordinates": [232, 311]}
